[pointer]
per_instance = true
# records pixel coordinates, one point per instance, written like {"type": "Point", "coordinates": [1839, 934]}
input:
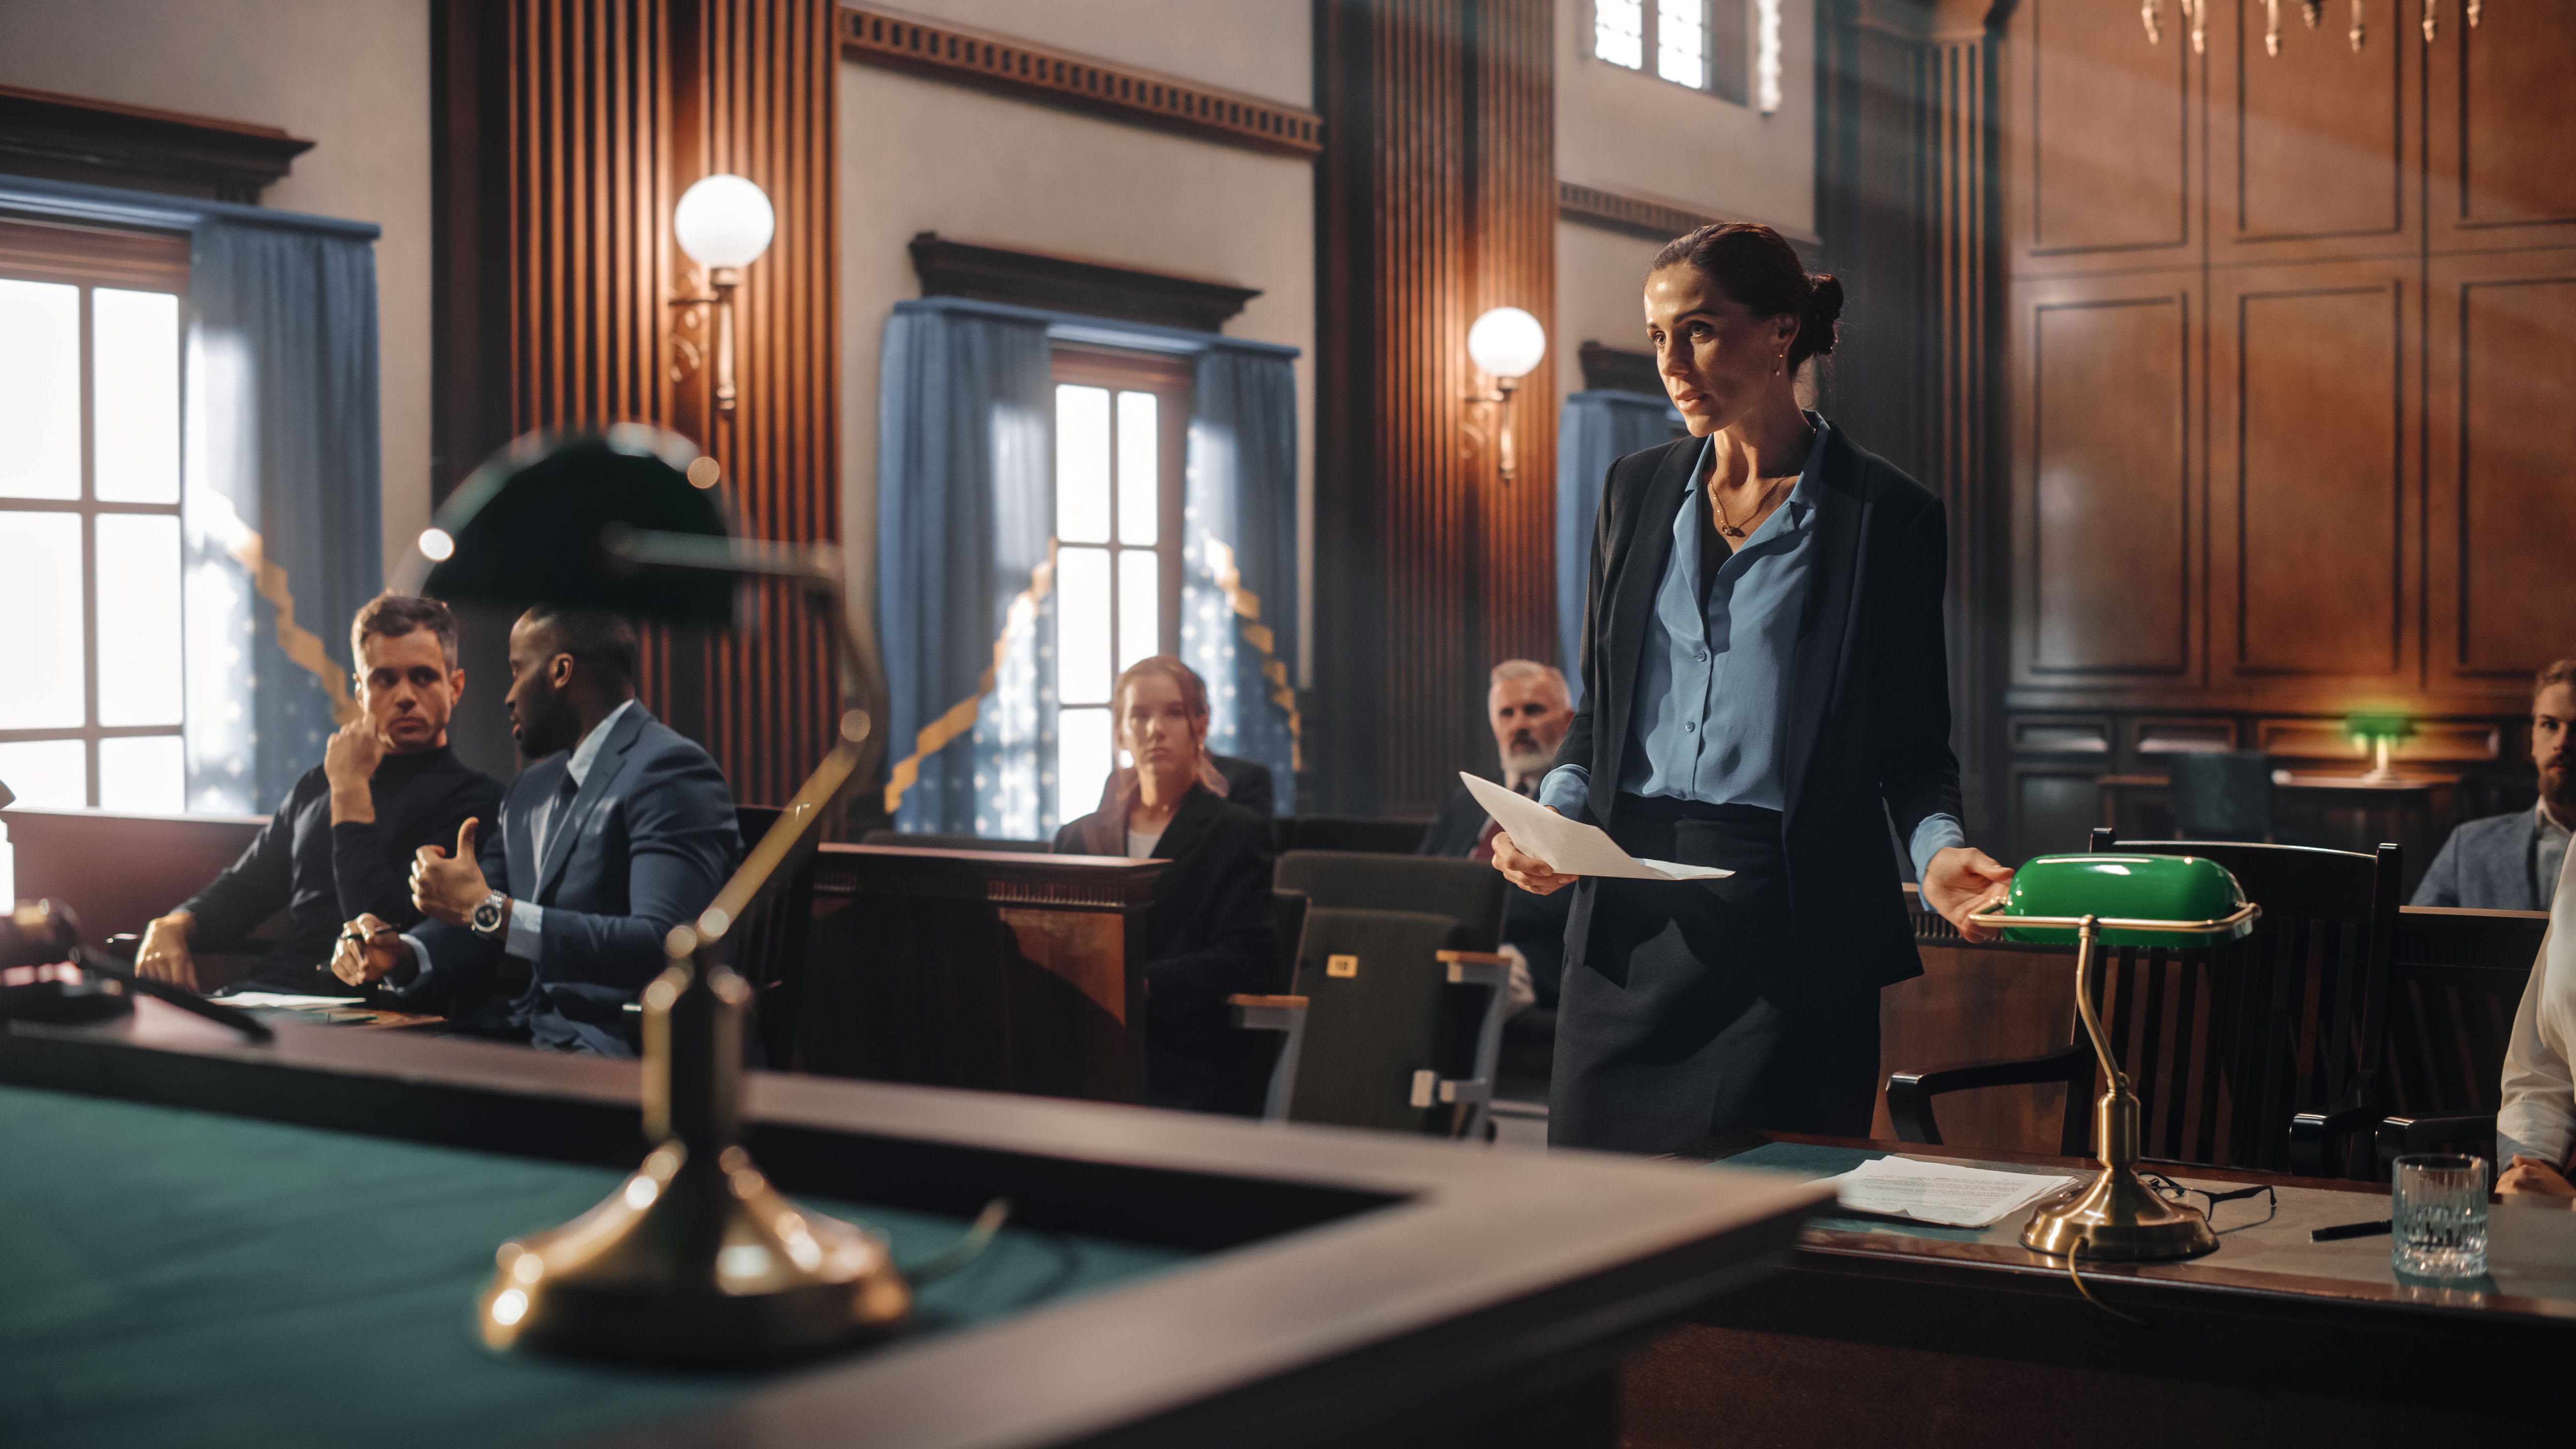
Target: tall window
{"type": "Point", "coordinates": [1121, 424]}
{"type": "Point", "coordinates": [91, 702]}
{"type": "Point", "coordinates": [1701, 44]}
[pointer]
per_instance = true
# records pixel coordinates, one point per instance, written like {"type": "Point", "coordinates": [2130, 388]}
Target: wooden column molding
{"type": "Point", "coordinates": [1438, 199]}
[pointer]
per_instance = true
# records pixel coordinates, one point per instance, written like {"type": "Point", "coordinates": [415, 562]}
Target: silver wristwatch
{"type": "Point", "coordinates": [489, 917]}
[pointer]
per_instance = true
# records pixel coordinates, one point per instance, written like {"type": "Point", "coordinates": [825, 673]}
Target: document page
{"type": "Point", "coordinates": [1941, 1192]}
{"type": "Point", "coordinates": [1571, 847]}
{"type": "Point", "coordinates": [288, 1000]}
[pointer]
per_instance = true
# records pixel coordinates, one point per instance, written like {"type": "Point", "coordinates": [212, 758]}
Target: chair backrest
{"type": "Point", "coordinates": [1348, 832]}
{"type": "Point", "coordinates": [1472, 893]}
{"type": "Point", "coordinates": [2224, 1045]}
{"type": "Point", "coordinates": [2221, 795]}
{"type": "Point", "coordinates": [1377, 1014]}
{"type": "Point", "coordinates": [769, 949]}
{"type": "Point", "coordinates": [923, 840]}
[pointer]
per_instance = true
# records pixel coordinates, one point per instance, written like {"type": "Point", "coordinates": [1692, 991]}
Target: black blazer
{"type": "Point", "coordinates": [1869, 728]}
{"type": "Point", "coordinates": [1208, 935]}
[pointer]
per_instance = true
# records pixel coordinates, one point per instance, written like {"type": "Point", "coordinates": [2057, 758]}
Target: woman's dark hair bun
{"type": "Point", "coordinates": [1824, 309]}
{"type": "Point", "coordinates": [1757, 267]}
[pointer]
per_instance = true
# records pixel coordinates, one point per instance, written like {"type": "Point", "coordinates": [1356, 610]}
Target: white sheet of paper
{"type": "Point", "coordinates": [288, 999]}
{"type": "Point", "coordinates": [1571, 847]}
{"type": "Point", "coordinates": [1941, 1192]}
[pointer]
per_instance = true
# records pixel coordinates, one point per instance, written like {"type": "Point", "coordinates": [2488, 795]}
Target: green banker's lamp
{"type": "Point", "coordinates": [2379, 732]}
{"type": "Point", "coordinates": [2090, 901]}
{"type": "Point", "coordinates": [694, 1258]}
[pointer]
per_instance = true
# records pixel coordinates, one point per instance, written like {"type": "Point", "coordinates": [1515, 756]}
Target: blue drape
{"type": "Point", "coordinates": [1597, 429]}
{"type": "Point", "coordinates": [282, 500]}
{"type": "Point", "coordinates": [1239, 599]}
{"type": "Point", "coordinates": [965, 506]}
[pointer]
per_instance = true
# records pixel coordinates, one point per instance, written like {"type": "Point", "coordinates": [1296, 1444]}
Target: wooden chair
{"type": "Point", "coordinates": [2259, 1053]}
{"type": "Point", "coordinates": [1457, 1051]}
{"type": "Point", "coordinates": [770, 949]}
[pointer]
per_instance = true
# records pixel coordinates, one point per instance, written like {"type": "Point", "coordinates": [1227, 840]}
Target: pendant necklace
{"type": "Point", "coordinates": [1761, 503]}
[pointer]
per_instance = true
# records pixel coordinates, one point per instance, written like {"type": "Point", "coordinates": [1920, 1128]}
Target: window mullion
{"type": "Point", "coordinates": [89, 534]}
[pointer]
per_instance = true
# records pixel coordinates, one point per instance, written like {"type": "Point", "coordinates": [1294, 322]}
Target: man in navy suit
{"type": "Point", "coordinates": [2510, 862]}
{"type": "Point", "coordinates": [620, 831]}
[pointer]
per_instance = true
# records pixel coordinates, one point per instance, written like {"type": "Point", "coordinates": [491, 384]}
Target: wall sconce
{"type": "Point", "coordinates": [1506, 342]}
{"type": "Point", "coordinates": [724, 223]}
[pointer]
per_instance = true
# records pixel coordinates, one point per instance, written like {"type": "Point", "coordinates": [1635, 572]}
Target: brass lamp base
{"type": "Point", "coordinates": [2117, 1217]}
{"type": "Point", "coordinates": [630, 1279]}
{"type": "Point", "coordinates": [695, 1258]}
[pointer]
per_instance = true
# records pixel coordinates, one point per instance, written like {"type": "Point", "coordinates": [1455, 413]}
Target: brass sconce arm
{"type": "Point", "coordinates": [1501, 400]}
{"type": "Point", "coordinates": [721, 282]}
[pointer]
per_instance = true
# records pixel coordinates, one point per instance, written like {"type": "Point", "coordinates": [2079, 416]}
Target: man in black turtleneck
{"type": "Point", "coordinates": [342, 844]}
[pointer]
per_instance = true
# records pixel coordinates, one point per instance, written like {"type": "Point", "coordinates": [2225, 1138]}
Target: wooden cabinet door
{"type": "Point", "coordinates": [2500, 437]}
{"type": "Point", "coordinates": [2103, 137]}
{"type": "Point", "coordinates": [2315, 144]}
{"type": "Point", "coordinates": [2105, 494]}
{"type": "Point", "coordinates": [2499, 173]}
{"type": "Point", "coordinates": [2312, 481]}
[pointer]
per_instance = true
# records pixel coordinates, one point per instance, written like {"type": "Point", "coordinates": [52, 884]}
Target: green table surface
{"type": "Point", "coordinates": [184, 1278]}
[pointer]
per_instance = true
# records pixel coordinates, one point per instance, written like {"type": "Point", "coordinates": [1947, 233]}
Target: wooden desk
{"type": "Point", "coordinates": [965, 968]}
{"type": "Point", "coordinates": [1913, 1335]}
{"type": "Point", "coordinates": [2343, 811]}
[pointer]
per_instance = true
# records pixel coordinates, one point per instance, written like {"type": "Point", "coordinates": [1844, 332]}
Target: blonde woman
{"type": "Point", "coordinates": [1209, 933]}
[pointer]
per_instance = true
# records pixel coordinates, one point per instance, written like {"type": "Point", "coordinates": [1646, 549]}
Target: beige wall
{"type": "Point", "coordinates": [351, 76]}
{"type": "Point", "coordinates": [919, 155]}
{"type": "Point", "coordinates": [1628, 131]}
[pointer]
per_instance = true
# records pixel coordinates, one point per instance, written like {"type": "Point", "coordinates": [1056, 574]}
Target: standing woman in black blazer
{"type": "Point", "coordinates": [1209, 933]}
{"type": "Point", "coordinates": [1764, 689]}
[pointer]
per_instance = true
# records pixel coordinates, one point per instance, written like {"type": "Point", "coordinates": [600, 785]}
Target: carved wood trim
{"type": "Point", "coordinates": [72, 138]}
{"type": "Point", "coordinates": [949, 267]}
{"type": "Point", "coordinates": [1637, 214]}
{"type": "Point", "coordinates": [899, 40]}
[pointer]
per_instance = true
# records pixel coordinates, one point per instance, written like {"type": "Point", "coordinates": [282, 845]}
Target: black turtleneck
{"type": "Point", "coordinates": [324, 875]}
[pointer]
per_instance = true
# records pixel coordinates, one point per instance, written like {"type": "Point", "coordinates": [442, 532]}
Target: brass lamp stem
{"type": "Point", "coordinates": [724, 280]}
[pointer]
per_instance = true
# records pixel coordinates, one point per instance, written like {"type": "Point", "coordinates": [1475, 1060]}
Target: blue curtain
{"type": "Point", "coordinates": [282, 499]}
{"type": "Point", "coordinates": [965, 509]}
{"type": "Point", "coordinates": [1598, 429]}
{"type": "Point", "coordinates": [1239, 599]}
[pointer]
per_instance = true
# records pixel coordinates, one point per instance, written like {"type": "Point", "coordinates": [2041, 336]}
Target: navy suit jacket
{"type": "Point", "coordinates": [647, 842]}
{"type": "Point", "coordinates": [2485, 865]}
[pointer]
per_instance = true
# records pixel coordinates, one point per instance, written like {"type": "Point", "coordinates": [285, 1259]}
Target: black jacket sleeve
{"type": "Point", "coordinates": [251, 889]}
{"type": "Point", "coordinates": [372, 875]}
{"type": "Point", "coordinates": [1917, 772]}
{"type": "Point", "coordinates": [1232, 941]}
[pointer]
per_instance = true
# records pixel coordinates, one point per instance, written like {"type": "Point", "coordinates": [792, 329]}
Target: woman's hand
{"type": "Point", "coordinates": [1961, 879]}
{"type": "Point", "coordinates": [1526, 870]}
{"type": "Point", "coordinates": [2531, 1177]}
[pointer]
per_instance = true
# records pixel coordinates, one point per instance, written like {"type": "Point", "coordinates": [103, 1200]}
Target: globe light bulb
{"type": "Point", "coordinates": [1507, 342]}
{"type": "Point", "coordinates": [724, 221]}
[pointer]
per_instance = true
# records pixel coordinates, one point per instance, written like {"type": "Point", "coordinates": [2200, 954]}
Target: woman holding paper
{"type": "Point", "coordinates": [1765, 687]}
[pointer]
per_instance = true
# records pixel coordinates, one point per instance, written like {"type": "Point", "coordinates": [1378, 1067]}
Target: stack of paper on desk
{"type": "Point", "coordinates": [1941, 1192]}
{"type": "Point", "coordinates": [1571, 847]}
{"type": "Point", "coordinates": [289, 1000]}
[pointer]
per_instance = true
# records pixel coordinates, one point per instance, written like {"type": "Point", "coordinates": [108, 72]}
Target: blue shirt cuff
{"type": "Point", "coordinates": [526, 931]}
{"type": "Point", "coordinates": [1937, 833]}
{"type": "Point", "coordinates": [420, 963]}
{"type": "Point", "coordinates": [1564, 789]}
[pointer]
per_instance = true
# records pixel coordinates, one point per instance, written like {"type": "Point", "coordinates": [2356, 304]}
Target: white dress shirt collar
{"type": "Point", "coordinates": [592, 743]}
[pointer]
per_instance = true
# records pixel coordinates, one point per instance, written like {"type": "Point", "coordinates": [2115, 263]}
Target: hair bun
{"type": "Point", "coordinates": [1824, 308]}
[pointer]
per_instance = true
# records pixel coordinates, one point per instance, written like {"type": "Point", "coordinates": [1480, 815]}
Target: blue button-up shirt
{"type": "Point", "coordinates": [1713, 682]}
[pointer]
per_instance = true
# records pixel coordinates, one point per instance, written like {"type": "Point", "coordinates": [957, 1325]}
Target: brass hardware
{"type": "Point", "coordinates": [2432, 21]}
{"type": "Point", "coordinates": [2474, 7]}
{"type": "Point", "coordinates": [1342, 966]}
{"type": "Point", "coordinates": [2357, 32]}
{"type": "Point", "coordinates": [721, 282]}
{"type": "Point", "coordinates": [2151, 15]}
{"type": "Point", "coordinates": [2316, 11]}
{"type": "Point", "coordinates": [1505, 462]}
{"type": "Point", "coordinates": [2272, 27]}
{"type": "Point", "coordinates": [2116, 1216]}
{"type": "Point", "coordinates": [2198, 10]}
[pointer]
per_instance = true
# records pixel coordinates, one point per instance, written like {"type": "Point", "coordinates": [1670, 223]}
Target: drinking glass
{"type": "Point", "coordinates": [2438, 1215]}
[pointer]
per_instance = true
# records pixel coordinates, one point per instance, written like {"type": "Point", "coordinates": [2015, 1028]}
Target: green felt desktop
{"type": "Point", "coordinates": [175, 1277]}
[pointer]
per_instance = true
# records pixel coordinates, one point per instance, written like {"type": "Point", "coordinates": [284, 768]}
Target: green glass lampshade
{"type": "Point", "coordinates": [2374, 727]}
{"type": "Point", "coordinates": [534, 523]}
{"type": "Point", "coordinates": [2178, 888]}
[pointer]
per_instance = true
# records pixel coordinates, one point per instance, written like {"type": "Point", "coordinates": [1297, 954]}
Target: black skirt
{"type": "Point", "coordinates": [1688, 1019]}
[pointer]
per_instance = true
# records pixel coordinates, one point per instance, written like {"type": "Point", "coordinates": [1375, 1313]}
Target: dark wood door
{"type": "Point", "coordinates": [2104, 139]}
{"type": "Point", "coordinates": [2107, 527]}
{"type": "Point", "coordinates": [2314, 142]}
{"type": "Point", "coordinates": [2312, 480]}
{"type": "Point", "coordinates": [2500, 435]}
{"type": "Point", "coordinates": [2497, 168]}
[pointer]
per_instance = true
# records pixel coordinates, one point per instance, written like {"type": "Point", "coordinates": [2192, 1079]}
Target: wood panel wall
{"type": "Point", "coordinates": [591, 117]}
{"type": "Point", "coordinates": [1436, 199]}
{"type": "Point", "coordinates": [2291, 340]}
